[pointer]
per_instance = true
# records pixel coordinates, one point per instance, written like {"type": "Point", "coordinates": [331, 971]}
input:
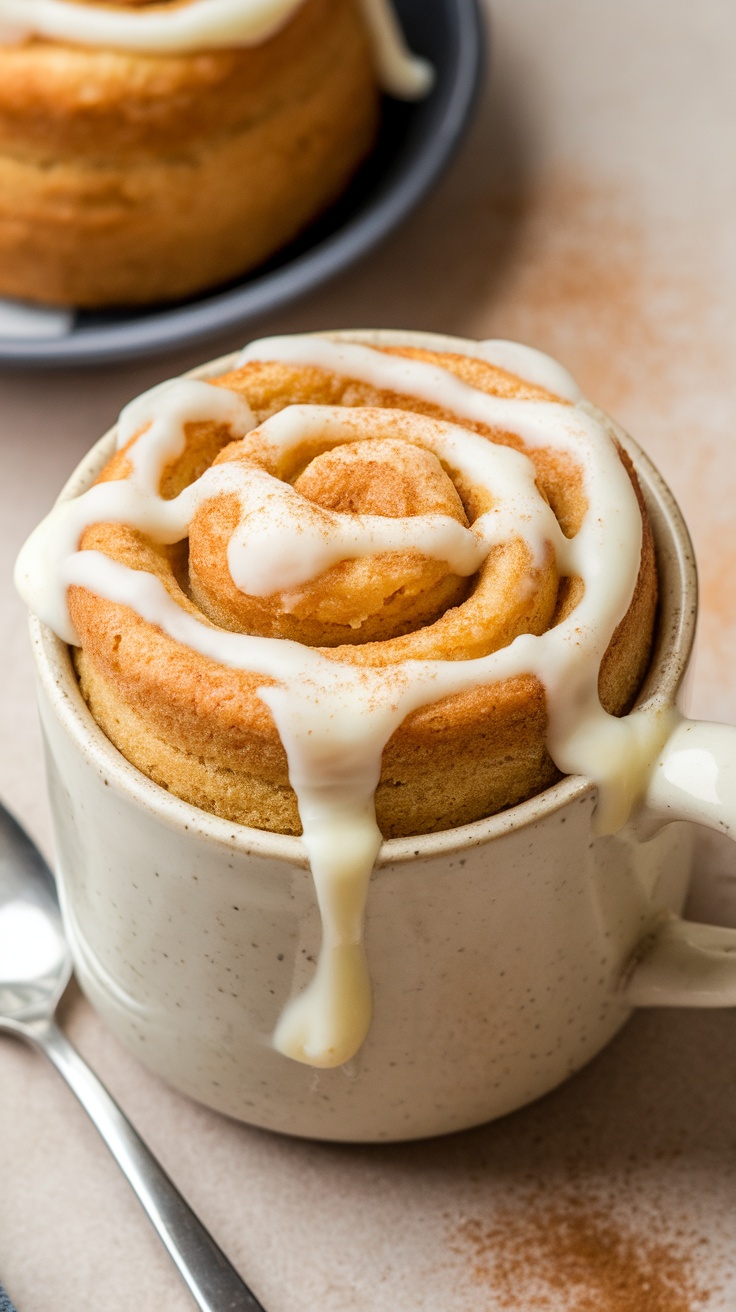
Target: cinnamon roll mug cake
{"type": "Point", "coordinates": [358, 661]}
{"type": "Point", "coordinates": [150, 150]}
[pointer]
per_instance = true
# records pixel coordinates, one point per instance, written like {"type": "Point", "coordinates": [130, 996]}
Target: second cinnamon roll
{"type": "Point", "coordinates": [149, 151]}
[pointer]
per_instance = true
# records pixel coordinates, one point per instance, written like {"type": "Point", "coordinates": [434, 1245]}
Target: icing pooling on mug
{"type": "Point", "coordinates": [334, 718]}
{"type": "Point", "coordinates": [205, 25]}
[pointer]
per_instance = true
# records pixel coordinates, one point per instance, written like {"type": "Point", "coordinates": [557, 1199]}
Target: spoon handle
{"type": "Point", "coordinates": [213, 1282]}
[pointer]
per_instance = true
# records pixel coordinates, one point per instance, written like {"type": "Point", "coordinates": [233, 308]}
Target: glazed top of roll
{"type": "Point", "coordinates": [391, 574]}
{"type": "Point", "coordinates": [186, 26]}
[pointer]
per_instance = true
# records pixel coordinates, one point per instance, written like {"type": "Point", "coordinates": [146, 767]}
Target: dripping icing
{"type": "Point", "coordinates": [206, 25]}
{"type": "Point", "coordinates": [335, 719]}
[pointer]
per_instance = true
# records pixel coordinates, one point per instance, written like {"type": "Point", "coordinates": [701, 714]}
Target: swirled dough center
{"type": "Point", "coordinates": [337, 506]}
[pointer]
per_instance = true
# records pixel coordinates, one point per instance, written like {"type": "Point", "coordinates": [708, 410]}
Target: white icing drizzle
{"type": "Point", "coordinates": [426, 382]}
{"type": "Point", "coordinates": [334, 718]}
{"type": "Point", "coordinates": [524, 361]}
{"type": "Point", "coordinates": [205, 25]}
{"type": "Point", "coordinates": [533, 366]}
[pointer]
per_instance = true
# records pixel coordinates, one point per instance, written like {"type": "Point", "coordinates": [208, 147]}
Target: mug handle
{"type": "Point", "coordinates": [681, 963]}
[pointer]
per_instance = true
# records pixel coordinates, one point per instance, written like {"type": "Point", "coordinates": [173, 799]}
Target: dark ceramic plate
{"type": "Point", "coordinates": [416, 142]}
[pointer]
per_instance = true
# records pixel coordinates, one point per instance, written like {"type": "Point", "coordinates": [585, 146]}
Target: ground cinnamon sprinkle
{"type": "Point", "coordinates": [571, 1255]}
{"type": "Point", "coordinates": [591, 283]}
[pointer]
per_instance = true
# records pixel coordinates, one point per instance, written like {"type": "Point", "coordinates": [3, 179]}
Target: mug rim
{"type": "Point", "coordinates": [676, 621]}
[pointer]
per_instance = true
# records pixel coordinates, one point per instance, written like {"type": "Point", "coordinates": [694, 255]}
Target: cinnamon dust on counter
{"type": "Point", "coordinates": [604, 288]}
{"type": "Point", "coordinates": [568, 1254]}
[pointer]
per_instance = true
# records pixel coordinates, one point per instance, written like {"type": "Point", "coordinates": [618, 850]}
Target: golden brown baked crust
{"type": "Point", "coordinates": [128, 178]}
{"type": "Point", "coordinates": [201, 730]}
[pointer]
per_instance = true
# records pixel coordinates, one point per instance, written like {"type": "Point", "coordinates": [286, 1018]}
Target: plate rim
{"type": "Point", "coordinates": [176, 327]}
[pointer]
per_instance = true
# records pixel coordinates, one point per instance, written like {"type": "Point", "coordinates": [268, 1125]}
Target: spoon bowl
{"type": "Point", "coordinates": [35, 964]}
{"type": "Point", "coordinates": [35, 968]}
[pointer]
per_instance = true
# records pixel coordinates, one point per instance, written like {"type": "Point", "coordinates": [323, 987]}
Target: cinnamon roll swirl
{"type": "Point", "coordinates": [148, 151]}
{"type": "Point", "coordinates": [356, 587]}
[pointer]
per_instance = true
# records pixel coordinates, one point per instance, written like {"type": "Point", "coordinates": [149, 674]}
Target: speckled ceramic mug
{"type": "Point", "coordinates": [503, 954]}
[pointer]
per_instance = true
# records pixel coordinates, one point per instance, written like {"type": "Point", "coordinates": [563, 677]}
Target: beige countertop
{"type": "Point", "coordinates": [592, 213]}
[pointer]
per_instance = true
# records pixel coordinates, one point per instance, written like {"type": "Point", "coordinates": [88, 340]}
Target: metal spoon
{"type": "Point", "coordinates": [35, 967]}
